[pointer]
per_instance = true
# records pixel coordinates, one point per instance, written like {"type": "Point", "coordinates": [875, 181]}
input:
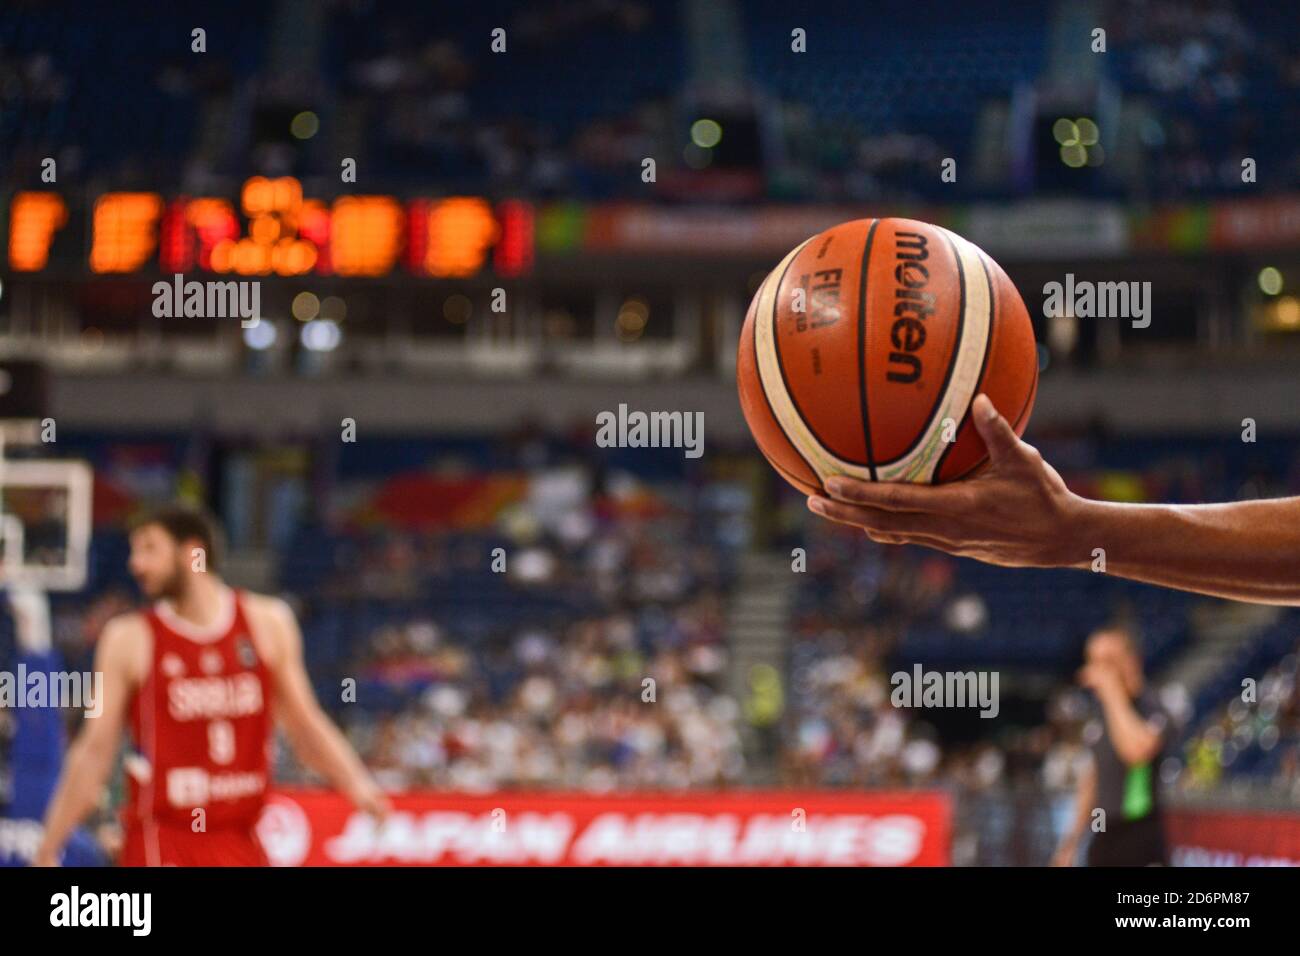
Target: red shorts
{"type": "Point", "coordinates": [154, 844]}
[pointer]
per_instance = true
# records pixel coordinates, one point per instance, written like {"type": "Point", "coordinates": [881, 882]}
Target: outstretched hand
{"type": "Point", "coordinates": [1016, 513]}
{"type": "Point", "coordinates": [369, 799]}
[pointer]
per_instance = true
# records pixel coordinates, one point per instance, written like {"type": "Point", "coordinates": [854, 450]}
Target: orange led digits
{"type": "Point", "coordinates": [460, 232]}
{"type": "Point", "coordinates": [285, 234]}
{"type": "Point", "coordinates": [124, 231]}
{"type": "Point", "coordinates": [273, 207]}
{"type": "Point", "coordinates": [367, 235]}
{"type": "Point", "coordinates": [34, 218]}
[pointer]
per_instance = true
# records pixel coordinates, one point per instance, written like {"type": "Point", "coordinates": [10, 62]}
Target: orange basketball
{"type": "Point", "coordinates": [863, 349]}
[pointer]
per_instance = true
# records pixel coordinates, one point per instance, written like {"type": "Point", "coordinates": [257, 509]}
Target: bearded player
{"type": "Point", "coordinates": [196, 677]}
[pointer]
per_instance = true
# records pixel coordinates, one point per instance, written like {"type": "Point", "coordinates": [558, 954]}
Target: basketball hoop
{"type": "Point", "coordinates": [45, 514]}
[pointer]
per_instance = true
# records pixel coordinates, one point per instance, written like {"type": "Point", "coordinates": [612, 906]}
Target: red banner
{"type": "Point", "coordinates": [1233, 838]}
{"type": "Point", "coordinates": [1256, 223]}
{"type": "Point", "coordinates": [319, 828]}
{"type": "Point", "coordinates": [422, 502]}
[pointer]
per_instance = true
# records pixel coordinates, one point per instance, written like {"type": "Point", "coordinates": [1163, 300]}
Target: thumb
{"type": "Point", "coordinates": [998, 436]}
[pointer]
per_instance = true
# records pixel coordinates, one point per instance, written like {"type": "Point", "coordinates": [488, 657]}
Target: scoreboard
{"type": "Point", "coordinates": [273, 229]}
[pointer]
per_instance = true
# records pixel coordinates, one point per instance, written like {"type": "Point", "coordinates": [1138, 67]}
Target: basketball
{"type": "Point", "coordinates": [863, 349]}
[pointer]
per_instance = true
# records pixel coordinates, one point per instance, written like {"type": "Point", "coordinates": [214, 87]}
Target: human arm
{"type": "Point", "coordinates": [1019, 513]}
{"type": "Point", "coordinates": [1085, 801]}
{"type": "Point", "coordinates": [1136, 740]}
{"type": "Point", "coordinates": [89, 760]}
{"type": "Point", "coordinates": [315, 739]}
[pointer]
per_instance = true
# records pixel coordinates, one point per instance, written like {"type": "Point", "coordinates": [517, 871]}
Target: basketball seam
{"type": "Point", "coordinates": [862, 350]}
{"type": "Point", "coordinates": [984, 365]}
{"type": "Point", "coordinates": [1024, 410]}
{"type": "Point", "coordinates": [794, 402]}
{"type": "Point", "coordinates": [759, 375]}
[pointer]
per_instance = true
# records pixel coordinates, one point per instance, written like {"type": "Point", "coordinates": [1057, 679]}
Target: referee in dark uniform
{"type": "Point", "coordinates": [1121, 781]}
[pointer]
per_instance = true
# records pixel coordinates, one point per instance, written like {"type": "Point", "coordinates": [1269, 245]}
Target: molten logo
{"type": "Point", "coordinates": [913, 306]}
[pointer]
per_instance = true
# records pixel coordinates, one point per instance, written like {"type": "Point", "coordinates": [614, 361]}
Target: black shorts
{"type": "Point", "coordinates": [1130, 843]}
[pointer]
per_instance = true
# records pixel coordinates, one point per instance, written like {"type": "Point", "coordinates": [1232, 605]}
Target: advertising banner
{"type": "Point", "coordinates": [319, 828]}
{"type": "Point", "coordinates": [1233, 838]}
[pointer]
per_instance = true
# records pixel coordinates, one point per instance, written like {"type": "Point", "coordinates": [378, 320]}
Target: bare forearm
{"type": "Point", "coordinates": [1132, 739]}
{"type": "Point", "coordinates": [1245, 551]}
{"type": "Point", "coordinates": [85, 773]}
{"type": "Point", "coordinates": [322, 747]}
{"type": "Point", "coordinates": [1086, 800]}
{"type": "Point", "coordinates": [1020, 513]}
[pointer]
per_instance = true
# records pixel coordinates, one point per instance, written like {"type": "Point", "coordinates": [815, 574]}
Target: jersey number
{"type": "Point", "coordinates": [221, 741]}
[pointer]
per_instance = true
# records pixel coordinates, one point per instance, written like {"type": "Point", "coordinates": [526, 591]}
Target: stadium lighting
{"type": "Point", "coordinates": [332, 307]}
{"type": "Point", "coordinates": [1270, 280]}
{"type": "Point", "coordinates": [260, 336]}
{"type": "Point", "coordinates": [305, 306]}
{"type": "Point", "coordinates": [1065, 132]}
{"type": "Point", "coordinates": [1074, 155]}
{"type": "Point", "coordinates": [320, 335]}
{"type": "Point", "coordinates": [632, 318]}
{"type": "Point", "coordinates": [706, 133]}
{"type": "Point", "coordinates": [305, 125]}
{"type": "Point", "coordinates": [1080, 142]}
{"type": "Point", "coordinates": [1287, 312]}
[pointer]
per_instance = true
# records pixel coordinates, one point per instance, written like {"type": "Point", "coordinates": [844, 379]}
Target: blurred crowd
{"type": "Point", "coordinates": [1208, 83]}
{"type": "Point", "coordinates": [585, 707]}
{"type": "Point", "coordinates": [1262, 730]}
{"type": "Point", "coordinates": [609, 82]}
{"type": "Point", "coordinates": [434, 109]}
{"type": "Point", "coordinates": [843, 728]}
{"type": "Point", "coordinates": [1218, 80]}
{"type": "Point", "coordinates": [861, 603]}
{"type": "Point", "coordinates": [594, 657]}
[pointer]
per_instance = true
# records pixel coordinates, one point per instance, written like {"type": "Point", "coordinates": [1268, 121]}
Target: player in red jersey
{"type": "Point", "coordinates": [197, 677]}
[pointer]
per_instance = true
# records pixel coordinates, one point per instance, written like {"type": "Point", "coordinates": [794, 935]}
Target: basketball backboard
{"type": "Point", "coordinates": [45, 513]}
